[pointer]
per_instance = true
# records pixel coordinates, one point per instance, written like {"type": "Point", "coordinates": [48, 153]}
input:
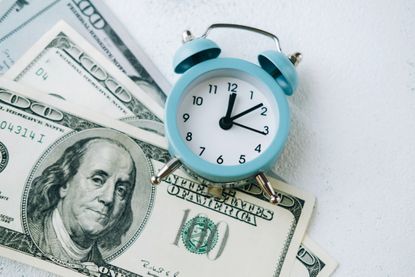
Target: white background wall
{"type": "Point", "coordinates": [352, 143]}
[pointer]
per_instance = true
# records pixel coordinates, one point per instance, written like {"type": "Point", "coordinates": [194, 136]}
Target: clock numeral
{"type": "Point", "coordinates": [203, 150]}
{"type": "Point", "coordinates": [232, 87]}
{"type": "Point", "coordinates": [189, 136]}
{"type": "Point", "coordinates": [213, 88]}
{"type": "Point", "coordinates": [197, 100]}
{"type": "Point", "coordinates": [264, 111]}
{"type": "Point", "coordinates": [186, 117]}
{"type": "Point", "coordinates": [252, 94]}
{"type": "Point", "coordinates": [242, 159]}
{"type": "Point", "coordinates": [266, 130]}
{"type": "Point", "coordinates": [258, 148]}
{"type": "Point", "coordinates": [219, 160]}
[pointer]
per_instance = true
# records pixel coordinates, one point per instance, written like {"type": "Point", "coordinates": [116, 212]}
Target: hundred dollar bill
{"type": "Point", "coordinates": [63, 64]}
{"type": "Point", "coordinates": [312, 261]}
{"type": "Point", "coordinates": [24, 22]}
{"type": "Point", "coordinates": [75, 192]}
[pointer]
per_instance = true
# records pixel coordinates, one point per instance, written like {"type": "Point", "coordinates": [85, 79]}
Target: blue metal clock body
{"type": "Point", "coordinates": [208, 170]}
{"type": "Point", "coordinates": [274, 76]}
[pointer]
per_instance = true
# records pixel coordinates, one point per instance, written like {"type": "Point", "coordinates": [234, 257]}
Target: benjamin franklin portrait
{"type": "Point", "coordinates": [89, 201]}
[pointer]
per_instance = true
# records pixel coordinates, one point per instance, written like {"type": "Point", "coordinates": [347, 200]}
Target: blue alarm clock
{"type": "Point", "coordinates": [227, 119]}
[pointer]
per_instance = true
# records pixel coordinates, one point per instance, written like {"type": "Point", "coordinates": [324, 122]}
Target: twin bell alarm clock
{"type": "Point", "coordinates": [227, 119]}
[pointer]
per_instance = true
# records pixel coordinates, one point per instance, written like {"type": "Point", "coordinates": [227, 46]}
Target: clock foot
{"type": "Point", "coordinates": [266, 187]}
{"type": "Point", "coordinates": [165, 171]}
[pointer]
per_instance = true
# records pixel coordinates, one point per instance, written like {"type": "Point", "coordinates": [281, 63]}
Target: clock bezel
{"type": "Point", "coordinates": [208, 170]}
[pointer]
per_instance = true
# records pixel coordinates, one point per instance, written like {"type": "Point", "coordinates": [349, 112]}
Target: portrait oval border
{"type": "Point", "coordinates": [137, 229]}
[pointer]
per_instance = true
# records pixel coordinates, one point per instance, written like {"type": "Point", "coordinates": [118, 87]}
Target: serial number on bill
{"type": "Point", "coordinates": [21, 131]}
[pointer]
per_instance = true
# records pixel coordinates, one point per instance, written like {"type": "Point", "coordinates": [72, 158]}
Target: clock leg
{"type": "Point", "coordinates": [266, 187]}
{"type": "Point", "coordinates": [166, 170]}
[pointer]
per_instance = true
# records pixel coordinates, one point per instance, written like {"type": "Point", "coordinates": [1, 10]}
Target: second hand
{"type": "Point", "coordinates": [251, 129]}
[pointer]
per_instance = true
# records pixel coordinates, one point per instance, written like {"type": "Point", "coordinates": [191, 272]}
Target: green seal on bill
{"type": "Point", "coordinates": [4, 156]}
{"type": "Point", "coordinates": [200, 235]}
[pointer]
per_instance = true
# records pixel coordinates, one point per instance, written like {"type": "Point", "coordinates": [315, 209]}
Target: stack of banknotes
{"type": "Point", "coordinates": [81, 132]}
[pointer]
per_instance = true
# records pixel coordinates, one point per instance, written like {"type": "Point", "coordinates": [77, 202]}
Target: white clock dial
{"type": "Point", "coordinates": [224, 133]}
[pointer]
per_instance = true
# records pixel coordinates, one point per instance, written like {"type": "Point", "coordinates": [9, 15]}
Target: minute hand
{"type": "Point", "coordinates": [246, 111]}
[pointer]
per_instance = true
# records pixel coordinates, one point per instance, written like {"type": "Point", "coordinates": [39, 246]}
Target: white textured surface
{"type": "Point", "coordinates": [12, 268]}
{"type": "Point", "coordinates": [353, 136]}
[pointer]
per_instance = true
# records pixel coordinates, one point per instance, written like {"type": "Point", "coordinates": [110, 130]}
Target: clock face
{"type": "Point", "coordinates": [228, 117]}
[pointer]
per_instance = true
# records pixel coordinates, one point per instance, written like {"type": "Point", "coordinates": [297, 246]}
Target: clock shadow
{"type": "Point", "coordinates": [298, 149]}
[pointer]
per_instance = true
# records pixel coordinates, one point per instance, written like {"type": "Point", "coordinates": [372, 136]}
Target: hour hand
{"type": "Point", "coordinates": [231, 103]}
{"type": "Point", "coordinates": [226, 122]}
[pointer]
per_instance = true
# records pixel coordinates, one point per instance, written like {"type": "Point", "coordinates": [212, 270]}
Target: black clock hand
{"type": "Point", "coordinates": [246, 111]}
{"type": "Point", "coordinates": [231, 102]}
{"type": "Point", "coordinates": [249, 128]}
{"type": "Point", "coordinates": [225, 122]}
